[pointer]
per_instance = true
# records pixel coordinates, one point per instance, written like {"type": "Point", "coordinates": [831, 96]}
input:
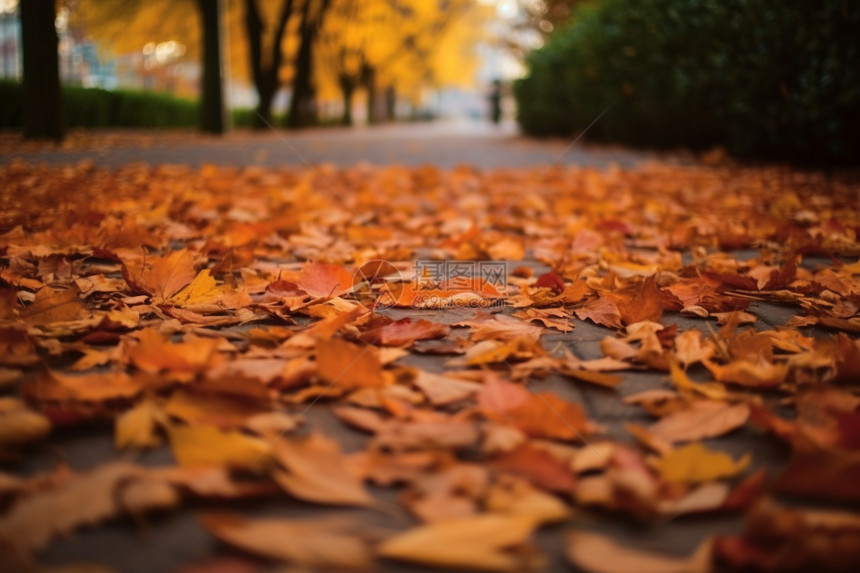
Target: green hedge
{"type": "Point", "coordinates": [764, 78]}
{"type": "Point", "coordinates": [94, 107]}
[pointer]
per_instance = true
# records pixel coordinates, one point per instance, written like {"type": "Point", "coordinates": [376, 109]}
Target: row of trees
{"type": "Point", "coordinates": [380, 46]}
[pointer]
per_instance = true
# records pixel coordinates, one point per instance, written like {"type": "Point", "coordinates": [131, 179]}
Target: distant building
{"type": "Point", "coordinates": [10, 46]}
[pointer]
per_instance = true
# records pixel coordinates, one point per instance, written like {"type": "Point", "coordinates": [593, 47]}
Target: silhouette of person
{"type": "Point", "coordinates": [496, 102]}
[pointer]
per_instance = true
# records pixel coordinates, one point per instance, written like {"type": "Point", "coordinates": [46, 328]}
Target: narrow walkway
{"type": "Point", "coordinates": [445, 144]}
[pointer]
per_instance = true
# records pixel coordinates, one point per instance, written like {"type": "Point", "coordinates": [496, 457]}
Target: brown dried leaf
{"type": "Point", "coordinates": [82, 500]}
{"type": "Point", "coordinates": [702, 419]}
{"type": "Point", "coordinates": [315, 543]}
{"type": "Point", "coordinates": [595, 553]}
{"type": "Point", "coordinates": [317, 471]}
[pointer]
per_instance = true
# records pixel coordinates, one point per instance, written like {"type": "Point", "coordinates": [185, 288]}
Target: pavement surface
{"type": "Point", "coordinates": [176, 539]}
{"type": "Point", "coordinates": [445, 144]}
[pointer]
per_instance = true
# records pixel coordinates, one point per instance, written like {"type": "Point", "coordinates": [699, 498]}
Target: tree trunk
{"type": "Point", "coordinates": [390, 104]}
{"type": "Point", "coordinates": [265, 77]}
{"type": "Point", "coordinates": [369, 75]}
{"type": "Point", "coordinates": [213, 116]}
{"type": "Point", "coordinates": [254, 31]}
{"type": "Point", "coordinates": [301, 104]}
{"type": "Point", "coordinates": [347, 88]}
{"type": "Point", "coordinates": [43, 103]}
{"type": "Point", "coordinates": [302, 109]}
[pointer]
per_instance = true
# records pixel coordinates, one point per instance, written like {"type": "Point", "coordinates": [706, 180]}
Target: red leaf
{"type": "Point", "coordinates": [404, 331]}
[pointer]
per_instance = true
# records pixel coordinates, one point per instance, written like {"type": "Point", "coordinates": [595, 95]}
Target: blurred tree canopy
{"type": "Point", "coordinates": [763, 78]}
{"type": "Point", "coordinates": [314, 47]}
{"type": "Point", "coordinates": [383, 45]}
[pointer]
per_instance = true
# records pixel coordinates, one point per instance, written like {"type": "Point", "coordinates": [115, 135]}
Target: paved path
{"type": "Point", "coordinates": [177, 538]}
{"type": "Point", "coordinates": [444, 143]}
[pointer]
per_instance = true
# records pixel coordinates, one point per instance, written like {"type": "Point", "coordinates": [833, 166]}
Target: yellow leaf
{"type": "Point", "coordinates": [19, 425]}
{"type": "Point", "coordinates": [695, 464]}
{"type": "Point", "coordinates": [209, 446]}
{"type": "Point", "coordinates": [481, 542]}
{"type": "Point", "coordinates": [202, 290]}
{"type": "Point", "coordinates": [853, 268]}
{"type": "Point", "coordinates": [517, 497]}
{"type": "Point", "coordinates": [714, 391]}
{"type": "Point", "coordinates": [490, 351]}
{"type": "Point", "coordinates": [137, 427]}
{"type": "Point", "coordinates": [161, 277]}
{"type": "Point", "coordinates": [210, 409]}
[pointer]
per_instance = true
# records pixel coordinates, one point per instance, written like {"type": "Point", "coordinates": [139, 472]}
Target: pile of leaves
{"type": "Point", "coordinates": [212, 311]}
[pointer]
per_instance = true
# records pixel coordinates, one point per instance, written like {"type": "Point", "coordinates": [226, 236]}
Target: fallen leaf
{"type": "Point", "coordinates": [686, 386]}
{"type": "Point", "coordinates": [644, 302]}
{"type": "Point", "coordinates": [316, 471]}
{"type": "Point", "coordinates": [204, 290]}
{"type": "Point", "coordinates": [441, 390]}
{"type": "Point", "coordinates": [537, 414]}
{"type": "Point", "coordinates": [404, 332]}
{"type": "Point", "coordinates": [138, 426]}
{"type": "Point", "coordinates": [760, 374]}
{"type": "Point", "coordinates": [702, 419]}
{"type": "Point", "coordinates": [515, 496]}
{"type": "Point", "coordinates": [537, 466]}
{"type": "Point", "coordinates": [315, 543]}
{"type": "Point", "coordinates": [502, 327]}
{"type": "Point", "coordinates": [696, 464]}
{"type": "Point", "coordinates": [83, 499]}
{"type": "Point", "coordinates": [779, 538]}
{"type": "Point", "coordinates": [690, 349]}
{"type": "Point", "coordinates": [209, 409]}
{"type": "Point", "coordinates": [603, 311]}
{"type": "Point", "coordinates": [597, 553]}
{"type": "Point", "coordinates": [490, 542]}
{"type": "Point", "coordinates": [160, 277]}
{"type": "Point", "coordinates": [19, 424]}
{"type": "Point", "coordinates": [50, 306]}
{"type": "Point", "coordinates": [440, 432]}
{"type": "Point", "coordinates": [348, 365]}
{"type": "Point", "coordinates": [201, 446]}
{"type": "Point", "coordinates": [820, 470]}
{"type": "Point", "coordinates": [52, 385]}
{"type": "Point", "coordinates": [324, 279]}
{"type": "Point", "coordinates": [154, 353]}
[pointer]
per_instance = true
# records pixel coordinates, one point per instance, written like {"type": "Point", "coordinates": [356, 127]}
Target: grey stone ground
{"type": "Point", "coordinates": [444, 144]}
{"type": "Point", "coordinates": [176, 539]}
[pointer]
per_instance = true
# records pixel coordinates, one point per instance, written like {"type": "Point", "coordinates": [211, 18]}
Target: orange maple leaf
{"type": "Point", "coordinates": [324, 279]}
{"type": "Point", "coordinates": [161, 277]}
{"type": "Point", "coordinates": [544, 415]}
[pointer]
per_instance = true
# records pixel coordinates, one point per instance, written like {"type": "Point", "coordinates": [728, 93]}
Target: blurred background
{"type": "Point", "coordinates": [759, 78]}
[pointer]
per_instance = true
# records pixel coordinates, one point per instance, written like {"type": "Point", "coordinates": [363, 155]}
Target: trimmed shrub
{"type": "Point", "coordinates": [763, 78]}
{"type": "Point", "coordinates": [94, 107]}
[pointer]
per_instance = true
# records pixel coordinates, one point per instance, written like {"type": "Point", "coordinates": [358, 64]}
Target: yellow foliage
{"type": "Point", "coordinates": [696, 464]}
